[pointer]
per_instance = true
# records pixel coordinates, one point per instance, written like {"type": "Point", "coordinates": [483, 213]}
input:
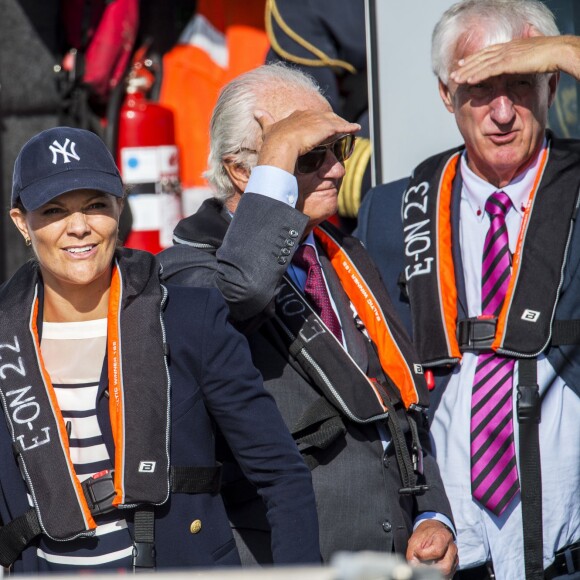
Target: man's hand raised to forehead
{"type": "Point", "coordinates": [285, 140]}
{"type": "Point", "coordinates": [533, 55]}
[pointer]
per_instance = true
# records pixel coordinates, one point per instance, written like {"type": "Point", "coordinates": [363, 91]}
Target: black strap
{"type": "Point", "coordinates": [416, 448]}
{"type": "Point", "coordinates": [16, 535]}
{"type": "Point", "coordinates": [196, 479]}
{"type": "Point", "coordinates": [478, 334]}
{"type": "Point", "coordinates": [144, 539]}
{"type": "Point", "coordinates": [566, 562]}
{"type": "Point", "coordinates": [318, 427]}
{"type": "Point", "coordinates": [565, 332]}
{"type": "Point", "coordinates": [529, 415]}
{"type": "Point", "coordinates": [481, 572]}
{"type": "Point", "coordinates": [183, 480]}
{"type": "Point", "coordinates": [410, 464]}
{"type": "Point", "coordinates": [407, 466]}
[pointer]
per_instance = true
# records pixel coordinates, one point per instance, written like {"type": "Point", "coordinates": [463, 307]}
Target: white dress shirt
{"type": "Point", "coordinates": [482, 535]}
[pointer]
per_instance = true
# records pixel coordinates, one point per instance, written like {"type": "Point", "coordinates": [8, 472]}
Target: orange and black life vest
{"type": "Point", "coordinates": [525, 326]}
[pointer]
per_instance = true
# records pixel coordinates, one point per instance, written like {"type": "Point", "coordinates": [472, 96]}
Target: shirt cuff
{"type": "Point", "coordinates": [275, 183]}
{"type": "Point", "coordinates": [436, 516]}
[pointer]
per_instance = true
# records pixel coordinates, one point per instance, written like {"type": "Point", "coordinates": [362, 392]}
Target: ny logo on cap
{"type": "Point", "coordinates": [57, 149]}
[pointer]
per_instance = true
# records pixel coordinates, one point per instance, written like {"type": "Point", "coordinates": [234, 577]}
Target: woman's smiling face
{"type": "Point", "coordinates": [73, 236]}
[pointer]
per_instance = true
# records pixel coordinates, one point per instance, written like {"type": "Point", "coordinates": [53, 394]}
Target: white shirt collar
{"type": "Point", "coordinates": [476, 190]}
{"type": "Point", "coordinates": [309, 240]}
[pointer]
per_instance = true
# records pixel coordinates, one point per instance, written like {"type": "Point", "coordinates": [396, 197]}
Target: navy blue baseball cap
{"type": "Point", "coordinates": [59, 160]}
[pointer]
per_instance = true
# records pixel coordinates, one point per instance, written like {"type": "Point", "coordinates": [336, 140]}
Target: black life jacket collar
{"type": "Point", "coordinates": [206, 227]}
{"type": "Point", "coordinates": [139, 401]}
{"type": "Point", "coordinates": [429, 224]}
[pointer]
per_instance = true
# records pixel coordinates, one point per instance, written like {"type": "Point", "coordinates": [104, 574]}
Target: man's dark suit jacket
{"type": "Point", "coordinates": [356, 484]}
{"type": "Point", "coordinates": [380, 228]}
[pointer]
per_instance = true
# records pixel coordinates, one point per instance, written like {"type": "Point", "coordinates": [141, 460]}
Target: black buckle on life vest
{"type": "Point", "coordinates": [100, 492]}
{"type": "Point", "coordinates": [415, 490]}
{"type": "Point", "coordinates": [528, 404]}
{"type": "Point", "coordinates": [143, 555]}
{"type": "Point", "coordinates": [566, 561]}
{"type": "Point", "coordinates": [476, 334]}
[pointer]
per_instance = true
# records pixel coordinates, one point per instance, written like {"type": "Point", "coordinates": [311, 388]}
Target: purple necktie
{"type": "Point", "coordinates": [494, 476]}
{"type": "Point", "coordinates": [315, 288]}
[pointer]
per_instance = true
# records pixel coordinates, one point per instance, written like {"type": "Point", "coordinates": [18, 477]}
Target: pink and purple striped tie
{"type": "Point", "coordinates": [494, 476]}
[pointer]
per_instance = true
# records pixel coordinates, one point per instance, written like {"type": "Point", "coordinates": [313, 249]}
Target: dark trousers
{"type": "Point", "coordinates": [482, 572]}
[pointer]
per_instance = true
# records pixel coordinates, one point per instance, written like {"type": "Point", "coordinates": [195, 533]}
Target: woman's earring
{"type": "Point", "coordinates": [27, 241]}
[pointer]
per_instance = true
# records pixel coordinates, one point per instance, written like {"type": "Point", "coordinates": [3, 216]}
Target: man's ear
{"type": "Point", "coordinates": [553, 86]}
{"type": "Point", "coordinates": [238, 174]}
{"type": "Point", "coordinates": [446, 96]}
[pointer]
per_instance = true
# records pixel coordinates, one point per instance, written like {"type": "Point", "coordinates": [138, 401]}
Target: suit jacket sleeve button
{"type": "Point", "coordinates": [293, 233]}
{"type": "Point", "coordinates": [281, 260]}
{"type": "Point", "coordinates": [195, 527]}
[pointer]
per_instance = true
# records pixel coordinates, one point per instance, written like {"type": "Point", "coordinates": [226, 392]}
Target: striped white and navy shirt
{"type": "Point", "coordinates": [73, 354]}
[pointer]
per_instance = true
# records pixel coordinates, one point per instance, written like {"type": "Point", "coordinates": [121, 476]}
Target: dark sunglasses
{"type": "Point", "coordinates": [312, 161]}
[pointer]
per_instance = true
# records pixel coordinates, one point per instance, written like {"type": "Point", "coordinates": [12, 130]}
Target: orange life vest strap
{"type": "Point", "coordinates": [116, 399]}
{"type": "Point", "coordinates": [446, 277]}
{"type": "Point", "coordinates": [373, 317]}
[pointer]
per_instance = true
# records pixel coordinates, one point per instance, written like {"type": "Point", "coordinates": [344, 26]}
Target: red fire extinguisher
{"type": "Point", "coordinates": [149, 161]}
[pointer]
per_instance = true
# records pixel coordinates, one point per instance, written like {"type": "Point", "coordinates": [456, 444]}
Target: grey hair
{"type": "Point", "coordinates": [234, 132]}
{"type": "Point", "coordinates": [499, 20]}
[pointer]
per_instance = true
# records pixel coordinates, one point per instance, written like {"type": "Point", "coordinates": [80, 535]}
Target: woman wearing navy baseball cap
{"type": "Point", "coordinates": [112, 386]}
